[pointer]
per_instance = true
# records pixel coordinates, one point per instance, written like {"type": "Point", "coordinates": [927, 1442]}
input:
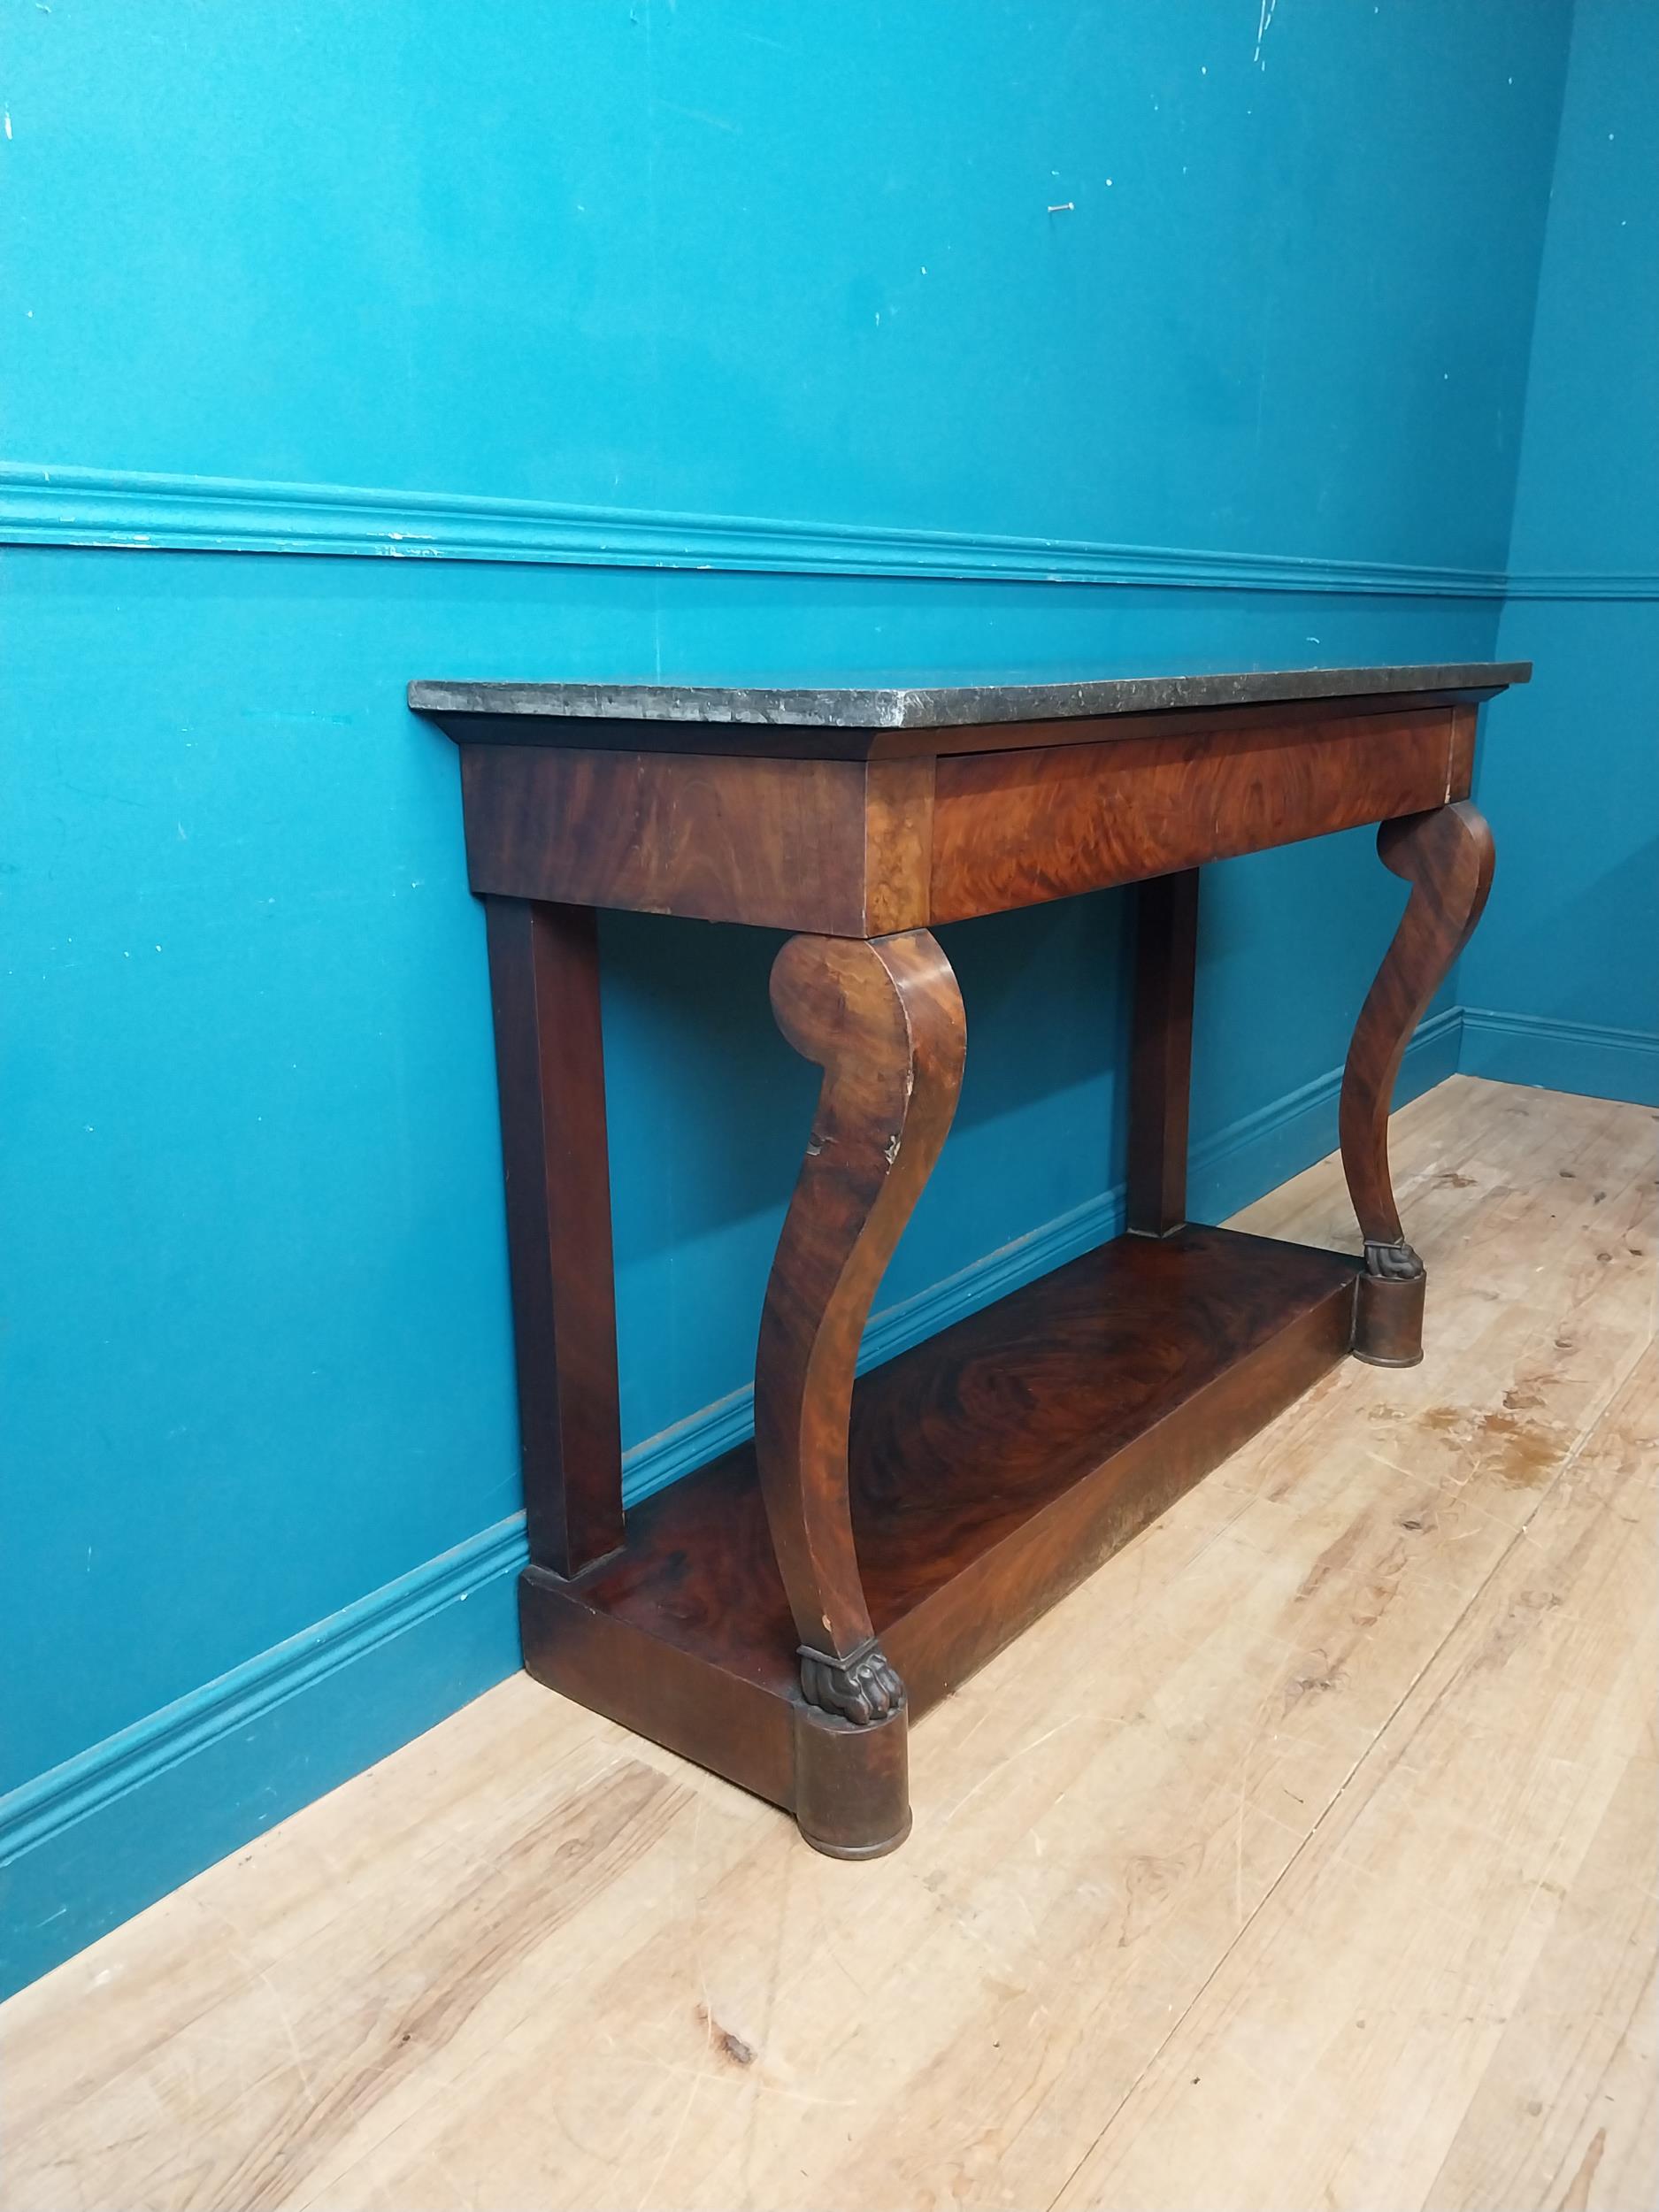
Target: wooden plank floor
{"type": "Point", "coordinates": [1304, 1857]}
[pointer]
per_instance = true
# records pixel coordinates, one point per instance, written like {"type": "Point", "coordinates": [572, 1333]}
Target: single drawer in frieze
{"type": "Point", "coordinates": [1017, 828]}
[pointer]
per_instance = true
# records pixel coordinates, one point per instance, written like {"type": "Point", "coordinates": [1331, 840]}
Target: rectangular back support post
{"type": "Point", "coordinates": [1161, 1054]}
{"type": "Point", "coordinates": [549, 1060]}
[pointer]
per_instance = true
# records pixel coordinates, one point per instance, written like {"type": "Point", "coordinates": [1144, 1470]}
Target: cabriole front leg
{"type": "Point", "coordinates": [883, 1019]}
{"type": "Point", "coordinates": [1447, 857]}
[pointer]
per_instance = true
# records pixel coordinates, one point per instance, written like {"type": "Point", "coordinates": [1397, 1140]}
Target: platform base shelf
{"type": "Point", "coordinates": [992, 1468]}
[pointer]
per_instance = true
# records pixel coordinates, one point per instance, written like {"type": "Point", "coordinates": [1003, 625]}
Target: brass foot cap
{"type": "Point", "coordinates": [857, 1850]}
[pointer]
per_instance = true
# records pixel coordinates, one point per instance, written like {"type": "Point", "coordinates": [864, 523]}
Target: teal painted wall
{"type": "Point", "coordinates": [561, 292]}
{"type": "Point", "coordinates": [1563, 979]}
{"type": "Point", "coordinates": [725, 257]}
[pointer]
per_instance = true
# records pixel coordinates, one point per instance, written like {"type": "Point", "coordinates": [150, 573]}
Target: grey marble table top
{"type": "Point", "coordinates": [953, 706]}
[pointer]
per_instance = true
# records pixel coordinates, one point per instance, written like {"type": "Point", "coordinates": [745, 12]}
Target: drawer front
{"type": "Point", "coordinates": [1017, 828]}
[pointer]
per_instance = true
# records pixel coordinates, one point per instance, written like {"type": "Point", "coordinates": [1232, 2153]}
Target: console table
{"type": "Point", "coordinates": [782, 1615]}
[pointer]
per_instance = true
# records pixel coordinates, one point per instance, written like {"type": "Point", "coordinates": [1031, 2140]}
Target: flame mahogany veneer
{"type": "Point", "coordinates": [783, 1614]}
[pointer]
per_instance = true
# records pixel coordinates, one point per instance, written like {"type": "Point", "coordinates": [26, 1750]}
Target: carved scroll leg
{"type": "Point", "coordinates": [1447, 857]}
{"type": "Point", "coordinates": [884, 1020]}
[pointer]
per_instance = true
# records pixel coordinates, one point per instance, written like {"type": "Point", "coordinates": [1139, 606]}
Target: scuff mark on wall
{"type": "Point", "coordinates": [1264, 24]}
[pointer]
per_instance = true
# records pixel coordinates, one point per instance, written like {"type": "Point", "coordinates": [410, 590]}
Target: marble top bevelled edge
{"type": "Point", "coordinates": [953, 706]}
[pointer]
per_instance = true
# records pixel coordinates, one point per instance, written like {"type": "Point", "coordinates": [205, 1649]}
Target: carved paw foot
{"type": "Point", "coordinates": [861, 1688]}
{"type": "Point", "coordinates": [1394, 1262]}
